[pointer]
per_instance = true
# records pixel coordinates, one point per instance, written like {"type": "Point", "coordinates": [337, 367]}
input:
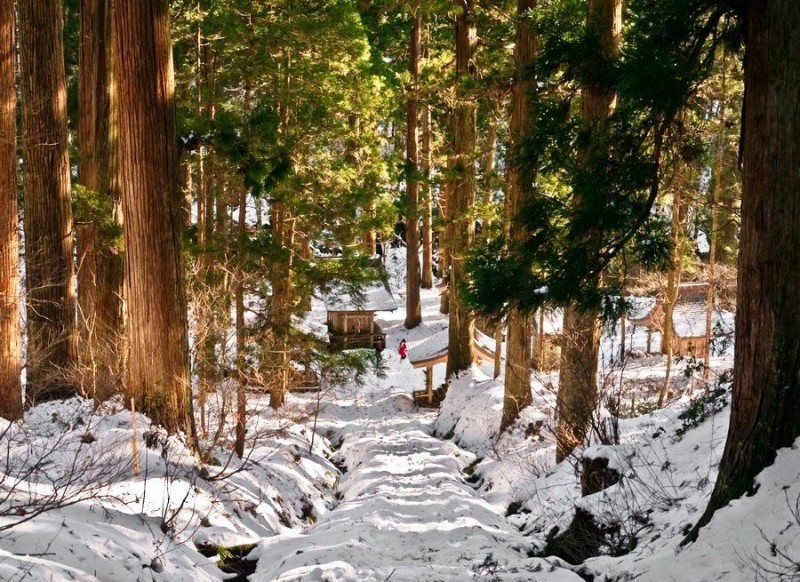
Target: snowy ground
{"type": "Point", "coordinates": [385, 491]}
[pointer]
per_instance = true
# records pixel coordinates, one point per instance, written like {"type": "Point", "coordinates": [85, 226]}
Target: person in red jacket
{"type": "Point", "coordinates": [403, 350]}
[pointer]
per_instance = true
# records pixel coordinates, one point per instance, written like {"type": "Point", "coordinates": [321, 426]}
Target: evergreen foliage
{"type": "Point", "coordinates": [667, 51]}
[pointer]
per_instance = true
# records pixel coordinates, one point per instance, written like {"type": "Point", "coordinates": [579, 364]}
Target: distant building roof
{"type": "Point", "coordinates": [373, 297]}
{"type": "Point", "coordinates": [639, 308]}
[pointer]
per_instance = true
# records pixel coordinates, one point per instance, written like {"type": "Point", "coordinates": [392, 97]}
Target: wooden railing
{"type": "Point", "coordinates": [346, 341]}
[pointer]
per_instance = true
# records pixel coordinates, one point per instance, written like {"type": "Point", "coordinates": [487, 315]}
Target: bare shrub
{"type": "Point", "coordinates": [41, 473]}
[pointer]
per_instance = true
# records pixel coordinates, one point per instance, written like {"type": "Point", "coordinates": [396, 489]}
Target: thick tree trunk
{"type": "Point", "coordinates": [413, 305]}
{"type": "Point", "coordinates": [158, 364]}
{"type": "Point", "coordinates": [517, 392]}
{"type": "Point", "coordinates": [100, 262]}
{"type": "Point", "coordinates": [281, 306]}
{"type": "Point", "coordinates": [765, 407]}
{"type": "Point", "coordinates": [577, 393]}
{"type": "Point", "coordinates": [49, 267]}
{"type": "Point", "coordinates": [462, 322]}
{"type": "Point", "coordinates": [10, 340]}
{"type": "Point", "coordinates": [281, 309]}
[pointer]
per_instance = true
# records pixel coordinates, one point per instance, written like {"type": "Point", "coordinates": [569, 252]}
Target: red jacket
{"type": "Point", "coordinates": [403, 350]}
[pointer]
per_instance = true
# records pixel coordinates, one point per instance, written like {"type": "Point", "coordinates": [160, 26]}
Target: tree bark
{"type": "Point", "coordinates": [281, 306]}
{"type": "Point", "coordinates": [520, 192]}
{"type": "Point", "coordinates": [282, 297]}
{"type": "Point", "coordinates": [427, 201]}
{"type": "Point", "coordinates": [49, 267]}
{"type": "Point", "coordinates": [10, 339]}
{"type": "Point", "coordinates": [446, 232]}
{"type": "Point", "coordinates": [577, 393]}
{"type": "Point", "coordinates": [158, 364]}
{"type": "Point", "coordinates": [413, 305]}
{"type": "Point", "coordinates": [100, 261]}
{"type": "Point", "coordinates": [765, 407]}
{"type": "Point", "coordinates": [673, 283]}
{"type": "Point", "coordinates": [712, 234]}
{"type": "Point", "coordinates": [462, 322]}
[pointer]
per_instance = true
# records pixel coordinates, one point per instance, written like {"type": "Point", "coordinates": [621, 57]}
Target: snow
{"type": "Point", "coordinates": [436, 345]}
{"type": "Point", "coordinates": [386, 491]}
{"type": "Point", "coordinates": [373, 297]}
{"type": "Point", "coordinates": [432, 347]}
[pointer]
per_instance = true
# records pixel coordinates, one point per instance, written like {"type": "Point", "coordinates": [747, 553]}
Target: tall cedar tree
{"type": "Point", "coordinates": [577, 393]}
{"type": "Point", "coordinates": [765, 410]}
{"type": "Point", "coordinates": [10, 341]}
{"type": "Point", "coordinates": [100, 263]}
{"type": "Point", "coordinates": [426, 167]}
{"type": "Point", "coordinates": [520, 191]}
{"type": "Point", "coordinates": [283, 230]}
{"type": "Point", "coordinates": [413, 305]}
{"type": "Point", "coordinates": [158, 352]}
{"type": "Point", "coordinates": [426, 280]}
{"type": "Point", "coordinates": [49, 266]}
{"type": "Point", "coordinates": [461, 194]}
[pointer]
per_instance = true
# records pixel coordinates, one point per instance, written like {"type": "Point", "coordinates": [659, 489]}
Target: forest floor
{"type": "Point", "coordinates": [383, 490]}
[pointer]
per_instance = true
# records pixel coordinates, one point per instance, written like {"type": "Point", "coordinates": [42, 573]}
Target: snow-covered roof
{"type": "Point", "coordinates": [639, 308]}
{"type": "Point", "coordinates": [373, 297]}
{"type": "Point", "coordinates": [689, 319]}
{"type": "Point", "coordinates": [428, 349]}
{"type": "Point", "coordinates": [435, 347]}
{"type": "Point", "coordinates": [483, 342]}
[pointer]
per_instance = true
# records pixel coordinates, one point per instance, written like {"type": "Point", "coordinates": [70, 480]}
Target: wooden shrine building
{"type": "Point", "coordinates": [351, 316]}
{"type": "Point", "coordinates": [688, 319]}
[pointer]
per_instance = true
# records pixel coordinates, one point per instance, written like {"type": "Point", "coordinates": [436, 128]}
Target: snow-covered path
{"type": "Point", "coordinates": [406, 514]}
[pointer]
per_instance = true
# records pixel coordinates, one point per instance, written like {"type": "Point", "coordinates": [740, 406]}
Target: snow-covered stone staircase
{"type": "Point", "coordinates": [406, 515]}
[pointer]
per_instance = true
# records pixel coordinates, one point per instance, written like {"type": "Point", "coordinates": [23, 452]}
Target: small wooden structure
{"type": "Point", "coordinates": [688, 319]}
{"type": "Point", "coordinates": [351, 316]}
{"type": "Point", "coordinates": [432, 351]}
{"type": "Point", "coordinates": [303, 380]}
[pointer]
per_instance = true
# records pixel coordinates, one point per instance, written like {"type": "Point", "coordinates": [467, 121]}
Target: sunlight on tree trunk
{"type": "Point", "coordinates": [158, 364]}
{"type": "Point", "coordinates": [100, 258]}
{"type": "Point", "coordinates": [713, 235]}
{"type": "Point", "coordinates": [517, 391]}
{"type": "Point", "coordinates": [462, 323]}
{"type": "Point", "coordinates": [765, 405]}
{"type": "Point", "coordinates": [10, 339]}
{"type": "Point", "coordinates": [49, 268]}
